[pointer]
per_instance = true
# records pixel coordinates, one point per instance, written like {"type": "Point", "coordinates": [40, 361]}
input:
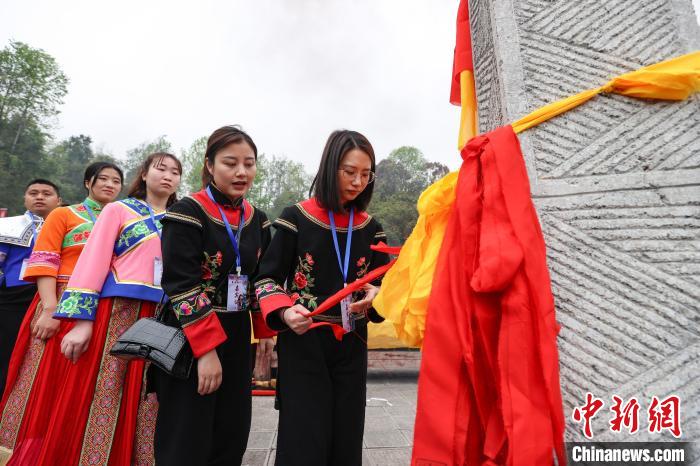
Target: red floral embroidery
{"type": "Point", "coordinates": [300, 280]}
{"type": "Point", "coordinates": [363, 266]}
{"type": "Point", "coordinates": [304, 282]}
{"type": "Point", "coordinates": [294, 297]}
{"type": "Point", "coordinates": [210, 268]}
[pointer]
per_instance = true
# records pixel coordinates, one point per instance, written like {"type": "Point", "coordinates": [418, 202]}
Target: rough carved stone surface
{"type": "Point", "coordinates": [617, 186]}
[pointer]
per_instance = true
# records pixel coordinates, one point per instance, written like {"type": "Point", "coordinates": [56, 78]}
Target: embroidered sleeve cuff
{"type": "Point", "coordinates": [77, 304]}
{"type": "Point", "coordinates": [272, 297]}
{"type": "Point", "coordinates": [42, 264]}
{"type": "Point", "coordinates": [260, 329]}
{"type": "Point", "coordinates": [191, 304]}
{"type": "Point", "coordinates": [204, 334]}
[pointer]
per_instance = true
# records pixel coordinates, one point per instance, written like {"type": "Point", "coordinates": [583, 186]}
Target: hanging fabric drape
{"type": "Point", "coordinates": [402, 299]}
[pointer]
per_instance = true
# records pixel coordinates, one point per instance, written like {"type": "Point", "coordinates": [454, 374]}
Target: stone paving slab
{"type": "Point", "coordinates": [389, 416]}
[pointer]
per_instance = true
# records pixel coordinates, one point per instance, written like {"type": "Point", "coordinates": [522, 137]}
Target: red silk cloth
{"type": "Point", "coordinates": [463, 52]}
{"type": "Point", "coordinates": [488, 390]}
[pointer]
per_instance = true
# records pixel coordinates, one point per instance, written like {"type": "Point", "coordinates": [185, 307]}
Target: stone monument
{"type": "Point", "coordinates": [616, 183]}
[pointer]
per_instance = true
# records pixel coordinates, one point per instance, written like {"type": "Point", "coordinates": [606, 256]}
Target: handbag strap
{"type": "Point", "coordinates": [159, 314]}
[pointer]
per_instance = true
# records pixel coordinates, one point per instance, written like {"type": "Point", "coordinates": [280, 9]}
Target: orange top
{"type": "Point", "coordinates": [61, 241]}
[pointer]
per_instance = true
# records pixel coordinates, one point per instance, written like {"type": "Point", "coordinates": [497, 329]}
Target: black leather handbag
{"type": "Point", "coordinates": [154, 341]}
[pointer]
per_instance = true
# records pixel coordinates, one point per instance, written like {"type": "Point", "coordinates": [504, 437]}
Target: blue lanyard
{"type": "Point", "coordinates": [343, 265]}
{"type": "Point", "coordinates": [235, 240]}
{"type": "Point", "coordinates": [153, 217]}
{"type": "Point", "coordinates": [90, 212]}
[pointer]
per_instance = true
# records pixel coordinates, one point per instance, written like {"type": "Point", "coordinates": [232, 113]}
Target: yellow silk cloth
{"type": "Point", "coordinates": [403, 299]}
{"type": "Point", "coordinates": [467, 120]}
{"type": "Point", "coordinates": [674, 79]}
{"type": "Point", "coordinates": [384, 335]}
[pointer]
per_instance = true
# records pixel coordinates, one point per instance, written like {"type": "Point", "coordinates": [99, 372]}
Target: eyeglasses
{"type": "Point", "coordinates": [350, 175]}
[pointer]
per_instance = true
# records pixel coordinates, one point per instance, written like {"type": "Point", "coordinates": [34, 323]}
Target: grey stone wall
{"type": "Point", "coordinates": [617, 186]}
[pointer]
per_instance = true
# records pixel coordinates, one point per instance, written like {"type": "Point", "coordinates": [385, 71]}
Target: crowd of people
{"type": "Point", "coordinates": [74, 278]}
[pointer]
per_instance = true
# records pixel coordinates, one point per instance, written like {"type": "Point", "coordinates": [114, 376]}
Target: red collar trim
{"type": "Point", "coordinates": [314, 209]}
{"type": "Point", "coordinates": [232, 213]}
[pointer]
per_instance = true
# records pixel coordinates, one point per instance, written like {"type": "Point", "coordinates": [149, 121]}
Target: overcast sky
{"type": "Point", "coordinates": [289, 72]}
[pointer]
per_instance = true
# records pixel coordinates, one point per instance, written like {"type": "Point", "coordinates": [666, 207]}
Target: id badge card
{"type": "Point", "coordinates": [157, 270]}
{"type": "Point", "coordinates": [237, 299]}
{"type": "Point", "coordinates": [23, 269]}
{"type": "Point", "coordinates": [348, 321]}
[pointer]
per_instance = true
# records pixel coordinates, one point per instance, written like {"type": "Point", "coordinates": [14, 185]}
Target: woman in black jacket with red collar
{"type": "Point", "coordinates": [321, 245]}
{"type": "Point", "coordinates": [212, 241]}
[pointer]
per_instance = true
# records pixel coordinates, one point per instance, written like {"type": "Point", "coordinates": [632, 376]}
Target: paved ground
{"type": "Point", "coordinates": [389, 414]}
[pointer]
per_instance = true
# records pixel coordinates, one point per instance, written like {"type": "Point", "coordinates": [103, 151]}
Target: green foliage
{"type": "Point", "coordinates": [192, 163]}
{"type": "Point", "coordinates": [279, 182]}
{"type": "Point", "coordinates": [401, 178]}
{"type": "Point", "coordinates": [17, 168]}
{"type": "Point", "coordinates": [70, 158]}
{"type": "Point", "coordinates": [136, 156]}
{"type": "Point", "coordinates": [32, 86]}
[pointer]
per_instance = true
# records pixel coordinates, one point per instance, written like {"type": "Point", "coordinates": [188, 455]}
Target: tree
{"type": "Point", "coordinates": [401, 178]}
{"type": "Point", "coordinates": [32, 86]}
{"type": "Point", "coordinates": [279, 182]}
{"type": "Point", "coordinates": [136, 156]}
{"type": "Point", "coordinates": [70, 157]}
{"type": "Point", "coordinates": [28, 160]}
{"type": "Point", "coordinates": [192, 162]}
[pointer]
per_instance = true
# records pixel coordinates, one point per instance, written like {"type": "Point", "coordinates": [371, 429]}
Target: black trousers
{"type": "Point", "coordinates": [322, 388]}
{"type": "Point", "coordinates": [14, 302]}
{"type": "Point", "coordinates": [209, 430]}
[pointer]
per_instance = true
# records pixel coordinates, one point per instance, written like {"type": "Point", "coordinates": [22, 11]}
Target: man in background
{"type": "Point", "coordinates": [17, 237]}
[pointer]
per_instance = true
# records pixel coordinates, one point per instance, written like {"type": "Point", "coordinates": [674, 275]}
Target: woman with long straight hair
{"type": "Point", "coordinates": [37, 366]}
{"type": "Point", "coordinates": [212, 241]}
{"type": "Point", "coordinates": [101, 416]}
{"type": "Point", "coordinates": [321, 245]}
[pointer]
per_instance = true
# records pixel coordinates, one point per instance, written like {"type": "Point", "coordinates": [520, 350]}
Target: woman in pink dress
{"type": "Point", "coordinates": [102, 415]}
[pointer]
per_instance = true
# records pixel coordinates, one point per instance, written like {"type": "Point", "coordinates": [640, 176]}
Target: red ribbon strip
{"type": "Point", "coordinates": [331, 301]}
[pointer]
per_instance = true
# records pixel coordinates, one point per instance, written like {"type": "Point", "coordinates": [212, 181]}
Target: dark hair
{"type": "Point", "coordinates": [325, 185]}
{"type": "Point", "coordinates": [94, 169]}
{"type": "Point", "coordinates": [222, 137]}
{"type": "Point", "coordinates": [46, 182]}
{"type": "Point", "coordinates": [138, 186]}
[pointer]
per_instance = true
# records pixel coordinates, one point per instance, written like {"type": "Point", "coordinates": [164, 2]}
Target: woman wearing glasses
{"type": "Point", "coordinates": [321, 245]}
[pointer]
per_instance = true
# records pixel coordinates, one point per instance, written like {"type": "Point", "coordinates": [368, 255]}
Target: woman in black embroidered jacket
{"type": "Point", "coordinates": [212, 241]}
{"type": "Point", "coordinates": [322, 381]}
